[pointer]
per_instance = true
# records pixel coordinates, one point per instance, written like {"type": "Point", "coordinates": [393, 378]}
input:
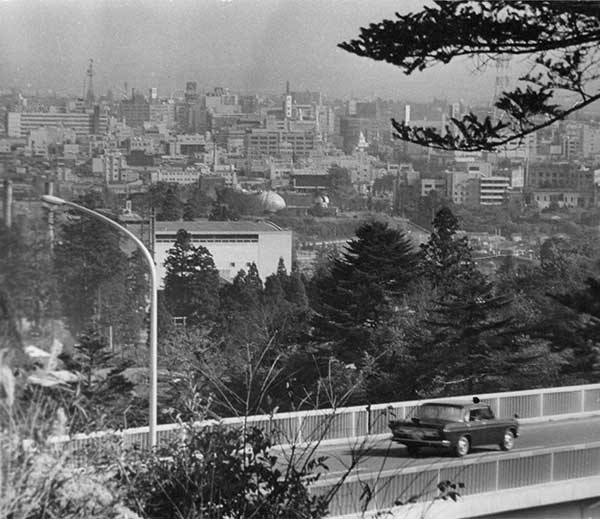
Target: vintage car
{"type": "Point", "coordinates": [454, 425]}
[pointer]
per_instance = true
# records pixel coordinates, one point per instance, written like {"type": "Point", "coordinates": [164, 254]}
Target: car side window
{"type": "Point", "coordinates": [483, 413]}
{"type": "Point", "coordinates": [475, 415]}
{"type": "Point", "coordinates": [487, 413]}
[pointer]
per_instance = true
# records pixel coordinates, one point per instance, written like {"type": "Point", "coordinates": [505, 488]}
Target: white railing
{"type": "Point", "coordinates": [478, 474]}
{"type": "Point", "coordinates": [333, 425]}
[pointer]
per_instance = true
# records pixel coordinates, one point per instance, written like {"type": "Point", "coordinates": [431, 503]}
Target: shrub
{"type": "Point", "coordinates": [215, 473]}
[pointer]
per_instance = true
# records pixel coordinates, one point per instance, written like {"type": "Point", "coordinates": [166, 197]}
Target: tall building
{"type": "Point", "coordinates": [135, 111]}
{"type": "Point", "coordinates": [191, 92]}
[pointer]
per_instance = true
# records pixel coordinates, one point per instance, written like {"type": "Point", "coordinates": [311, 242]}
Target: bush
{"type": "Point", "coordinates": [41, 480]}
{"type": "Point", "coordinates": [215, 473]}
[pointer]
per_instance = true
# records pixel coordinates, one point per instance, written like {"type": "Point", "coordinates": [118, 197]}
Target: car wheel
{"type": "Point", "coordinates": [462, 447]}
{"type": "Point", "coordinates": [508, 440]}
{"type": "Point", "coordinates": [413, 450]}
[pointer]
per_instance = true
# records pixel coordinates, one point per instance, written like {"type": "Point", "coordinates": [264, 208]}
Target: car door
{"type": "Point", "coordinates": [478, 426]}
{"type": "Point", "coordinates": [494, 430]}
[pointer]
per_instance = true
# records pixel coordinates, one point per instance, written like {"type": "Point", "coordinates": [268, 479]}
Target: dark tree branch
{"type": "Point", "coordinates": [562, 39]}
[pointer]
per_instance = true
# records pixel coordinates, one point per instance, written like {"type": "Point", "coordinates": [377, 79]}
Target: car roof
{"type": "Point", "coordinates": [458, 403]}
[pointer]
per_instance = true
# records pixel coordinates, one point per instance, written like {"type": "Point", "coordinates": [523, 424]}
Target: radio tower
{"type": "Point", "coordinates": [503, 81]}
{"type": "Point", "coordinates": [88, 93]}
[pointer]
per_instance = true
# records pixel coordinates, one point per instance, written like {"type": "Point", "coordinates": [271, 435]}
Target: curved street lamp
{"type": "Point", "coordinates": [54, 200]}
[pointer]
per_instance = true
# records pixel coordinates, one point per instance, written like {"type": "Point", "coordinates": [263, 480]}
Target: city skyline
{"type": "Point", "coordinates": [244, 45]}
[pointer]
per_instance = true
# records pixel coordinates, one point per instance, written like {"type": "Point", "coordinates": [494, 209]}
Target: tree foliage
{"type": "Point", "coordinates": [362, 288]}
{"type": "Point", "coordinates": [87, 256]}
{"type": "Point", "coordinates": [191, 281]}
{"type": "Point", "coordinates": [446, 258]}
{"type": "Point", "coordinates": [559, 38]}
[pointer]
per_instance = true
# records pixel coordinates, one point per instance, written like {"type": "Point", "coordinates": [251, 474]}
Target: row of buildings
{"type": "Point", "coordinates": [289, 142]}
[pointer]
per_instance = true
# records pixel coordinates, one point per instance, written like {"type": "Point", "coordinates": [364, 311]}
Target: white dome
{"type": "Point", "coordinates": [322, 200]}
{"type": "Point", "coordinates": [271, 201]}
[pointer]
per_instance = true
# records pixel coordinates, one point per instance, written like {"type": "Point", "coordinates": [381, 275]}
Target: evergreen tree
{"type": "Point", "coordinates": [580, 329]}
{"type": "Point", "coordinates": [253, 282]}
{"type": "Point", "coordinates": [171, 209]}
{"type": "Point", "coordinates": [296, 291]}
{"type": "Point", "coordinates": [26, 272]}
{"type": "Point", "coordinates": [471, 342]}
{"type": "Point", "coordinates": [446, 259]}
{"type": "Point", "coordinates": [282, 274]}
{"type": "Point", "coordinates": [87, 256]}
{"type": "Point", "coordinates": [188, 212]}
{"type": "Point", "coordinates": [191, 283]}
{"type": "Point", "coordinates": [92, 353]}
{"type": "Point", "coordinates": [363, 288]}
{"type": "Point", "coordinates": [273, 293]}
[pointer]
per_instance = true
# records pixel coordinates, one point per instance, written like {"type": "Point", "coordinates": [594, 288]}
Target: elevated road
{"type": "Point", "coordinates": [555, 464]}
{"type": "Point", "coordinates": [379, 454]}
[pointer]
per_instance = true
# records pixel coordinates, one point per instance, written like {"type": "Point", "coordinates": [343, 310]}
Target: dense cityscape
{"type": "Point", "coordinates": [224, 303]}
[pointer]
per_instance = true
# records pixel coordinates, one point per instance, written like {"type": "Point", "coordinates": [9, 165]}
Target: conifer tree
{"type": "Point", "coordinates": [171, 209]}
{"type": "Point", "coordinates": [462, 331]}
{"type": "Point", "coordinates": [364, 286]}
{"type": "Point", "coordinates": [191, 281]}
{"type": "Point", "coordinates": [446, 258]}
{"type": "Point", "coordinates": [87, 256]}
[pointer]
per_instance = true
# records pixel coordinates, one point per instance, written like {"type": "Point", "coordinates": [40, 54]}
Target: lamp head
{"type": "Point", "coordinates": [53, 200]}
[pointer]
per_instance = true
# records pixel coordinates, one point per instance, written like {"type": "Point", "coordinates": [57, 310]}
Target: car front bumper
{"type": "Point", "coordinates": [422, 442]}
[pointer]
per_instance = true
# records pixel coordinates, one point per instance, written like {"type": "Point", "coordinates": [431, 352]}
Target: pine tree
{"type": "Point", "coordinates": [362, 289]}
{"type": "Point", "coordinates": [171, 209]}
{"type": "Point", "coordinates": [87, 256]}
{"type": "Point", "coordinates": [191, 281]}
{"type": "Point", "coordinates": [296, 291]}
{"type": "Point", "coordinates": [446, 259]}
{"type": "Point", "coordinates": [470, 341]}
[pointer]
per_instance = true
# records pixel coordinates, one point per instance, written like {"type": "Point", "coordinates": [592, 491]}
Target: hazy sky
{"type": "Point", "coordinates": [245, 45]}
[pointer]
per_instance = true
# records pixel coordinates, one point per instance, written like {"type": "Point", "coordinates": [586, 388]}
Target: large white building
{"type": "Point", "coordinates": [20, 124]}
{"type": "Point", "coordinates": [233, 245]}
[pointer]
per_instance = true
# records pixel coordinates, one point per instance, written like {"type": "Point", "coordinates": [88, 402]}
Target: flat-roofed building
{"type": "Point", "coordinates": [261, 143]}
{"type": "Point", "coordinates": [233, 245]}
{"type": "Point", "coordinates": [493, 190]}
{"type": "Point", "coordinates": [21, 124]}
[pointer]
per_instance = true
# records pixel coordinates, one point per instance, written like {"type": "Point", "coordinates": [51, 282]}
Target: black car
{"type": "Point", "coordinates": [454, 425]}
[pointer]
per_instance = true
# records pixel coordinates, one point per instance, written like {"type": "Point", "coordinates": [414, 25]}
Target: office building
{"type": "Point", "coordinates": [20, 124]}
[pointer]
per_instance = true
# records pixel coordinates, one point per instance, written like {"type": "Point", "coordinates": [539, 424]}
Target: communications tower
{"type": "Point", "coordinates": [503, 80]}
{"type": "Point", "coordinates": [88, 85]}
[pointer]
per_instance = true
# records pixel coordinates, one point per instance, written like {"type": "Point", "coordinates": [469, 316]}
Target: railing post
{"type": "Point", "coordinates": [368, 418]}
{"type": "Point", "coordinates": [354, 423]}
{"type": "Point", "coordinates": [541, 404]}
{"type": "Point", "coordinates": [497, 475]}
{"type": "Point", "coordinates": [583, 400]}
{"type": "Point", "coordinates": [299, 435]}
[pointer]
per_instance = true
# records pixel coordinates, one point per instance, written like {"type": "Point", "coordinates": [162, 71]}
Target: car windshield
{"type": "Point", "coordinates": [439, 412]}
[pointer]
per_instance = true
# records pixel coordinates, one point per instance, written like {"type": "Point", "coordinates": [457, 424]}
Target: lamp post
{"type": "Point", "coordinates": [54, 200]}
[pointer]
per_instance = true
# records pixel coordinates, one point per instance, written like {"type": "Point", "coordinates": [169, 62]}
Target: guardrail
{"type": "Point", "coordinates": [333, 425]}
{"type": "Point", "coordinates": [479, 474]}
